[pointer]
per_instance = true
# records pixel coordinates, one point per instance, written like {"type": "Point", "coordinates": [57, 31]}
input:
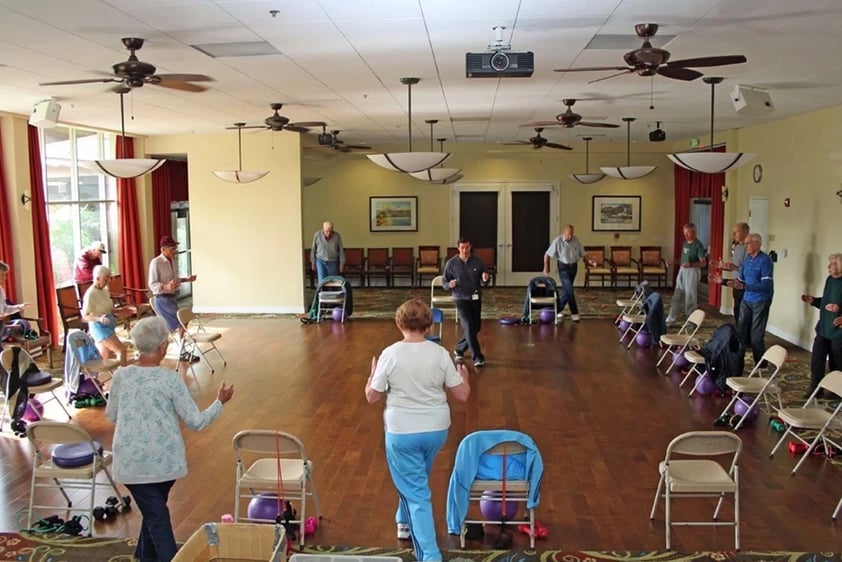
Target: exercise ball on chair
{"type": "Point", "coordinates": [491, 507]}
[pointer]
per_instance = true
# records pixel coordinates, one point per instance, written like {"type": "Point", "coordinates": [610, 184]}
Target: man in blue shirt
{"type": "Point", "coordinates": [464, 275]}
{"type": "Point", "coordinates": [755, 278]}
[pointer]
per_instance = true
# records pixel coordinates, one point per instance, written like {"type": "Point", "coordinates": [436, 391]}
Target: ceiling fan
{"type": "Point", "coordinates": [330, 140]}
{"type": "Point", "coordinates": [539, 141]}
{"type": "Point", "coordinates": [649, 60]}
{"type": "Point", "coordinates": [570, 119]}
{"type": "Point", "coordinates": [134, 73]}
{"type": "Point", "coordinates": [278, 122]}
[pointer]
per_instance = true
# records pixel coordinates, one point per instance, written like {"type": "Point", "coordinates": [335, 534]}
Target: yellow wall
{"type": "Point", "coordinates": [245, 238]}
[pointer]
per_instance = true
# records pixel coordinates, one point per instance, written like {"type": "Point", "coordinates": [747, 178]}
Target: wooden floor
{"type": "Point", "coordinates": [601, 416]}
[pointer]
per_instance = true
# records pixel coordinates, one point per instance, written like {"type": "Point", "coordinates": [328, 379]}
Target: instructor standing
{"type": "Point", "coordinates": [464, 275]}
{"type": "Point", "coordinates": [568, 250]}
{"type": "Point", "coordinates": [327, 256]}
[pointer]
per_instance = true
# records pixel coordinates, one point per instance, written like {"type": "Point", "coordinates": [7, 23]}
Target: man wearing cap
{"type": "Point", "coordinates": [91, 257]}
{"type": "Point", "coordinates": [164, 282]}
{"type": "Point", "coordinates": [327, 256]}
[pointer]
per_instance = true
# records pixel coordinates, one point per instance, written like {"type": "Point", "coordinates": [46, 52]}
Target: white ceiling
{"type": "Point", "coordinates": [342, 61]}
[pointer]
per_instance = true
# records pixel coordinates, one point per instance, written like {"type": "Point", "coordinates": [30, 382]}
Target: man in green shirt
{"type": "Point", "coordinates": [827, 344]}
{"type": "Point", "coordinates": [687, 283]}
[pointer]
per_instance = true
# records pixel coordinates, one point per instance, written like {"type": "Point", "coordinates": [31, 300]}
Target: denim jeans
{"type": "Point", "coordinates": [325, 268]}
{"type": "Point", "coordinates": [567, 274]}
{"type": "Point", "coordinates": [156, 541]}
{"type": "Point", "coordinates": [470, 314]}
{"type": "Point", "coordinates": [752, 326]}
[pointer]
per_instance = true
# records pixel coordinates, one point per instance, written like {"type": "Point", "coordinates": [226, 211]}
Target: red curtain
{"type": "Point", "coordinates": [169, 183]}
{"type": "Point", "coordinates": [7, 247]}
{"type": "Point", "coordinates": [689, 185]}
{"type": "Point", "coordinates": [131, 254]}
{"type": "Point", "coordinates": [45, 284]}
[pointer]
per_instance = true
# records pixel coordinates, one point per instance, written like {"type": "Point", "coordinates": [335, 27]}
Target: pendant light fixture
{"type": "Point", "coordinates": [440, 176]}
{"type": "Point", "coordinates": [127, 168]}
{"type": "Point", "coordinates": [310, 180]}
{"type": "Point", "coordinates": [587, 177]}
{"type": "Point", "coordinates": [239, 175]}
{"type": "Point", "coordinates": [711, 162]}
{"type": "Point", "coordinates": [628, 172]}
{"type": "Point", "coordinates": [408, 162]}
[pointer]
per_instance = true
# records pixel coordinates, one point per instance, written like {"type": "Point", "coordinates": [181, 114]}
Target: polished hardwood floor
{"type": "Point", "coordinates": [601, 416]}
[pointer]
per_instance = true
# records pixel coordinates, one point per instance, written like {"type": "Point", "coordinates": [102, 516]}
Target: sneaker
{"type": "Point", "coordinates": [479, 361]}
{"type": "Point", "coordinates": [403, 532]}
{"type": "Point", "coordinates": [575, 318]}
{"type": "Point", "coordinates": [560, 316]}
{"type": "Point", "coordinates": [459, 355]}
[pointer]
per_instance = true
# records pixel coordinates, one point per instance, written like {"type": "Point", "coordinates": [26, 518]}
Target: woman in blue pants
{"type": "Point", "coordinates": [412, 374]}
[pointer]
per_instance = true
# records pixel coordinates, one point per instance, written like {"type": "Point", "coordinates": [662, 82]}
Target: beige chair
{"type": "Point", "coordinates": [814, 418]}
{"type": "Point", "coordinates": [440, 298]}
{"type": "Point", "coordinates": [273, 462]}
{"type": "Point", "coordinates": [427, 263]}
{"type": "Point", "coordinates": [700, 477]}
{"type": "Point", "coordinates": [630, 304]}
{"type": "Point", "coordinates": [676, 344]}
{"type": "Point", "coordinates": [331, 294]}
{"type": "Point", "coordinates": [7, 357]}
{"type": "Point", "coordinates": [624, 264]}
{"type": "Point", "coordinates": [597, 266]}
{"type": "Point", "coordinates": [651, 264]}
{"type": "Point", "coordinates": [636, 322]}
{"type": "Point", "coordinates": [99, 371]}
{"type": "Point", "coordinates": [46, 474]}
{"type": "Point", "coordinates": [695, 359]}
{"type": "Point", "coordinates": [543, 301]}
{"type": "Point", "coordinates": [194, 336]}
{"type": "Point", "coordinates": [756, 386]}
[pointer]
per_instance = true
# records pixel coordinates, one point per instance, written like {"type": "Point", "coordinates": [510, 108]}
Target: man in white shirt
{"type": "Point", "coordinates": [164, 282]}
{"type": "Point", "coordinates": [568, 250]}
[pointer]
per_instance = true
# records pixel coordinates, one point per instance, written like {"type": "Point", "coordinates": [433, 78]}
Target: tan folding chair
{"type": "Point", "coordinates": [440, 298]}
{"type": "Point", "coordinates": [94, 369]}
{"type": "Point", "coordinates": [7, 357]}
{"type": "Point", "coordinates": [700, 477]}
{"type": "Point", "coordinates": [636, 321]}
{"type": "Point", "coordinates": [47, 474]}
{"type": "Point", "coordinates": [273, 462]}
{"type": "Point", "coordinates": [756, 385]}
{"type": "Point", "coordinates": [676, 344]}
{"type": "Point", "coordinates": [696, 360]}
{"type": "Point", "coordinates": [629, 305]}
{"type": "Point", "coordinates": [543, 301]}
{"type": "Point", "coordinates": [331, 294]}
{"type": "Point", "coordinates": [194, 336]}
{"type": "Point", "coordinates": [813, 417]}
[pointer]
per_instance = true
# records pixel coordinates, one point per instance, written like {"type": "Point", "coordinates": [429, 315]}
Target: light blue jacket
{"type": "Point", "coordinates": [467, 465]}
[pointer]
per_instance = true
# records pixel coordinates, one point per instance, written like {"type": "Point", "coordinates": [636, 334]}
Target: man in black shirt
{"type": "Point", "coordinates": [464, 275]}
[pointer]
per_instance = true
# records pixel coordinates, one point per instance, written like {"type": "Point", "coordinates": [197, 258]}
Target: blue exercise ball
{"type": "Point", "coordinates": [547, 316]}
{"type": "Point", "coordinates": [705, 385]}
{"type": "Point", "coordinates": [491, 507]}
{"type": "Point", "coordinates": [337, 314]}
{"type": "Point", "coordinates": [741, 407]}
{"type": "Point", "coordinates": [265, 506]}
{"type": "Point", "coordinates": [643, 339]}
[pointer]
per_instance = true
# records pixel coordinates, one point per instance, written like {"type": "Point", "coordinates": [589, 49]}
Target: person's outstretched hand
{"type": "Point", "coordinates": [225, 392]}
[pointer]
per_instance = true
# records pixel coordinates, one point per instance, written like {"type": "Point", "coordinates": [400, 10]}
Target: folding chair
{"type": "Point", "coordinates": [278, 465]}
{"type": "Point", "coordinates": [695, 359]}
{"type": "Point", "coordinates": [627, 306]}
{"type": "Point", "coordinates": [439, 298]}
{"type": "Point", "coordinates": [92, 367]}
{"type": "Point", "coordinates": [437, 326]}
{"type": "Point", "coordinates": [72, 466]}
{"type": "Point", "coordinates": [543, 300]}
{"type": "Point", "coordinates": [635, 321]}
{"type": "Point", "coordinates": [7, 357]}
{"type": "Point", "coordinates": [813, 417]}
{"type": "Point", "coordinates": [194, 337]}
{"type": "Point", "coordinates": [331, 294]}
{"type": "Point", "coordinates": [756, 385]}
{"type": "Point", "coordinates": [700, 477]}
{"type": "Point", "coordinates": [838, 509]}
{"type": "Point", "coordinates": [676, 344]}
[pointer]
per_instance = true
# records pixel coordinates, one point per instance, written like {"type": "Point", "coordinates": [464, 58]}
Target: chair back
{"type": "Point", "coordinates": [185, 316]}
{"type": "Point", "coordinates": [354, 258]}
{"type": "Point", "coordinates": [595, 254]}
{"type": "Point", "coordinates": [268, 442]}
{"type": "Point", "coordinates": [403, 258]}
{"type": "Point", "coordinates": [115, 285]}
{"type": "Point", "coordinates": [451, 251]}
{"type": "Point", "coordinates": [650, 256]}
{"type": "Point", "coordinates": [506, 448]}
{"type": "Point", "coordinates": [52, 432]}
{"type": "Point", "coordinates": [693, 323]}
{"type": "Point", "coordinates": [705, 444]}
{"type": "Point", "coordinates": [428, 256]}
{"type": "Point", "coordinates": [776, 355]}
{"type": "Point", "coordinates": [487, 256]}
{"type": "Point", "coordinates": [436, 283]}
{"type": "Point", "coordinates": [831, 381]}
{"type": "Point", "coordinates": [68, 301]}
{"type": "Point", "coordinates": [377, 257]}
{"type": "Point", "coordinates": [7, 360]}
{"type": "Point", "coordinates": [83, 287]}
{"type": "Point", "coordinates": [621, 256]}
{"type": "Point", "coordinates": [437, 327]}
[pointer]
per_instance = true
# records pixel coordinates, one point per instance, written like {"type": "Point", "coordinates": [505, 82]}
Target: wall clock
{"type": "Point", "coordinates": [757, 173]}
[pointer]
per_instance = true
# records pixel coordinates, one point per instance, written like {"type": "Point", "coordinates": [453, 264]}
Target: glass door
{"type": "Point", "coordinates": [180, 212]}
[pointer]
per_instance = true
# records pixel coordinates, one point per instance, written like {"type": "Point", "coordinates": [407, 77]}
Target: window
{"type": "Point", "coordinates": [81, 203]}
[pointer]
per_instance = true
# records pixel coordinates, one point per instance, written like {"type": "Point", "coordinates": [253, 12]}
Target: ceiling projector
{"type": "Point", "coordinates": [499, 61]}
{"type": "Point", "coordinates": [658, 135]}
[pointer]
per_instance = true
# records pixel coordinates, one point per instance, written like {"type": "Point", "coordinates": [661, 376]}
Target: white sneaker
{"type": "Point", "coordinates": [403, 532]}
{"type": "Point", "coordinates": [560, 316]}
{"type": "Point", "coordinates": [575, 317]}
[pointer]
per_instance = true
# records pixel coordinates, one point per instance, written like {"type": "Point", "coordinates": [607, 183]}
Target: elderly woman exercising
{"type": "Point", "coordinates": [98, 312]}
{"type": "Point", "coordinates": [146, 403]}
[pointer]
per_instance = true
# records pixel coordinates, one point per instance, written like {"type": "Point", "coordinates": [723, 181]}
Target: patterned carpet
{"type": "Point", "coordinates": [75, 549]}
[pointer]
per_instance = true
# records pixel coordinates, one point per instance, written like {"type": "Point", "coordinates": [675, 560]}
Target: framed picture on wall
{"type": "Point", "coordinates": [393, 214]}
{"type": "Point", "coordinates": [616, 213]}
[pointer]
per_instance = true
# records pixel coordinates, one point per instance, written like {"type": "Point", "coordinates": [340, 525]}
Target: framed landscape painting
{"type": "Point", "coordinates": [393, 214]}
{"type": "Point", "coordinates": [616, 213]}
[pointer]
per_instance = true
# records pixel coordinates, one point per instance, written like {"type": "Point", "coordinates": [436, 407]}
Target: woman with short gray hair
{"type": "Point", "coordinates": [146, 403]}
{"type": "Point", "coordinates": [98, 311]}
{"type": "Point", "coordinates": [827, 345]}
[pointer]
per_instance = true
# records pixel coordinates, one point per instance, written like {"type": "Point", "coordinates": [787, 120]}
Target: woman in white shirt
{"type": "Point", "coordinates": [98, 312]}
{"type": "Point", "coordinates": [412, 374]}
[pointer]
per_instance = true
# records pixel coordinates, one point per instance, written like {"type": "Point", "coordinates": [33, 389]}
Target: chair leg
{"type": "Point", "coordinates": [657, 495]}
{"type": "Point", "coordinates": [689, 373]}
{"type": "Point", "coordinates": [780, 441]}
{"type": "Point", "coordinates": [808, 451]}
{"type": "Point", "coordinates": [838, 509]}
{"type": "Point", "coordinates": [317, 507]}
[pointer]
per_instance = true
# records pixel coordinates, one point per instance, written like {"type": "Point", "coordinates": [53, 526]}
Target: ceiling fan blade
{"type": "Point", "coordinates": [626, 71]}
{"type": "Point", "coordinates": [558, 146]}
{"type": "Point", "coordinates": [341, 148]}
{"type": "Point", "coordinates": [517, 143]}
{"type": "Point", "coordinates": [358, 146]}
{"type": "Point", "coordinates": [702, 62]}
{"type": "Point", "coordinates": [181, 86]}
{"type": "Point", "coordinates": [310, 124]}
{"type": "Point", "coordinates": [251, 127]}
{"type": "Point", "coordinates": [593, 69]}
{"type": "Point", "coordinates": [540, 124]}
{"type": "Point", "coordinates": [185, 77]}
{"type": "Point", "coordinates": [295, 128]}
{"type": "Point", "coordinates": [679, 73]}
{"type": "Point", "coordinates": [593, 124]}
{"type": "Point", "coordinates": [83, 81]}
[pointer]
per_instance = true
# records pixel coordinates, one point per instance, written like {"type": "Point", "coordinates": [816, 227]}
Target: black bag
{"type": "Point", "coordinates": [724, 355]}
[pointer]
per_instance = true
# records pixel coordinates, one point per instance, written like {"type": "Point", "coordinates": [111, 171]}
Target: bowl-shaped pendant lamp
{"type": "Point", "coordinates": [587, 177]}
{"type": "Point", "coordinates": [628, 172]}
{"type": "Point", "coordinates": [239, 175]}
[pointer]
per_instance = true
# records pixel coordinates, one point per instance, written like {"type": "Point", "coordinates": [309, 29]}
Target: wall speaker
{"type": "Point", "coordinates": [749, 100]}
{"type": "Point", "coordinates": [45, 114]}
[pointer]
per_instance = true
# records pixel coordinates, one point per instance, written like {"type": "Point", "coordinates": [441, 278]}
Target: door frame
{"type": "Point", "coordinates": [504, 188]}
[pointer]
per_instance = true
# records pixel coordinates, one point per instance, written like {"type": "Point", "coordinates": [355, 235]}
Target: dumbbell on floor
{"type": "Point", "coordinates": [112, 508]}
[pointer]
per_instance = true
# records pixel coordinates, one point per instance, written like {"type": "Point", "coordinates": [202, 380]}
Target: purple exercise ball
{"type": "Point", "coordinates": [681, 362]}
{"type": "Point", "coordinates": [741, 407]}
{"type": "Point", "coordinates": [547, 316]}
{"type": "Point", "coordinates": [705, 385]}
{"type": "Point", "coordinates": [623, 325]}
{"type": "Point", "coordinates": [643, 338]}
{"type": "Point", "coordinates": [491, 506]}
{"type": "Point", "coordinates": [265, 506]}
{"type": "Point", "coordinates": [86, 386]}
{"type": "Point", "coordinates": [337, 314]}
{"type": "Point", "coordinates": [34, 410]}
